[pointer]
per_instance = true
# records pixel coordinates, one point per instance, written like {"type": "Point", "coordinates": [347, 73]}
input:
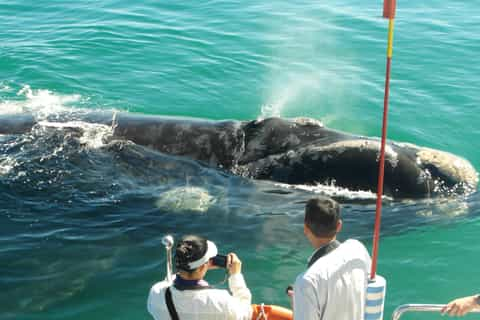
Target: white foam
{"type": "Point", "coordinates": [93, 136]}
{"type": "Point", "coordinates": [7, 165]}
{"type": "Point", "coordinates": [186, 199]}
{"type": "Point", "coordinates": [43, 102]}
{"type": "Point", "coordinates": [11, 107]}
{"type": "Point", "coordinates": [40, 102]}
{"type": "Point", "coordinates": [5, 88]}
{"type": "Point", "coordinates": [443, 206]}
{"type": "Point", "coordinates": [333, 191]}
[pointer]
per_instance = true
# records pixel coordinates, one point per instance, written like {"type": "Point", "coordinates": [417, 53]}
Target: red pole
{"type": "Point", "coordinates": [388, 12]}
{"type": "Point", "coordinates": [381, 170]}
{"type": "Point", "coordinates": [389, 7]}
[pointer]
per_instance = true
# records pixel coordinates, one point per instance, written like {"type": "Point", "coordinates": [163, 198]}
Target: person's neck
{"type": "Point", "coordinates": [320, 242]}
{"type": "Point", "coordinates": [188, 276]}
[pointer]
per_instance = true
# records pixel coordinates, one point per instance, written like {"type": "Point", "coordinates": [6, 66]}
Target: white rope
{"type": "Point", "coordinates": [262, 314]}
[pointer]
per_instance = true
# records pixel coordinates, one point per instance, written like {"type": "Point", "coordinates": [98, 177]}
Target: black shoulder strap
{"type": "Point", "coordinates": [324, 251]}
{"type": "Point", "coordinates": [170, 306]}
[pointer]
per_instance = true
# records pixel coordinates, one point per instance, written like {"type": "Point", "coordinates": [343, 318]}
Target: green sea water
{"type": "Point", "coordinates": [92, 250]}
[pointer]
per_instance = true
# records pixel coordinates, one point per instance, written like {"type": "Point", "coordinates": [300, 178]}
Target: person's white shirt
{"type": "Point", "coordinates": [203, 304]}
{"type": "Point", "coordinates": [334, 287]}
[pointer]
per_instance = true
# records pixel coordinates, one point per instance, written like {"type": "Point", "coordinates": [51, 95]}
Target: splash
{"type": "Point", "coordinates": [44, 102]}
{"type": "Point", "coordinates": [40, 102]}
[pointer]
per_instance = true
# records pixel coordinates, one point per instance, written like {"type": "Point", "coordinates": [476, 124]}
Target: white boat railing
{"type": "Point", "coordinates": [167, 241]}
{"type": "Point", "coordinates": [399, 311]}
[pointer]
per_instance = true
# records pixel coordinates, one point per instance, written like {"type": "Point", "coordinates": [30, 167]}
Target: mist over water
{"type": "Point", "coordinates": [82, 214]}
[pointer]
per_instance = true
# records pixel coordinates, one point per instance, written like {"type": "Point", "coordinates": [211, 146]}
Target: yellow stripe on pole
{"type": "Point", "coordinates": [390, 38]}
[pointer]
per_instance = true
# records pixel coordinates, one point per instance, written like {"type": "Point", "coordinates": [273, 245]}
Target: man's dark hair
{"type": "Point", "coordinates": [189, 249]}
{"type": "Point", "coordinates": [322, 216]}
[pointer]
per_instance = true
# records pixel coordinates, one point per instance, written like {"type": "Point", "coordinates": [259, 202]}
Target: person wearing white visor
{"type": "Point", "coordinates": [190, 296]}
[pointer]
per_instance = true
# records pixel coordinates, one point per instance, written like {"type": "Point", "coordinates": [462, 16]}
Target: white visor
{"type": "Point", "coordinates": [211, 252]}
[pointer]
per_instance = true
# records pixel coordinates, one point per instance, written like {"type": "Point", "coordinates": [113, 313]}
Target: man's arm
{"type": "Point", "coordinates": [462, 306]}
{"type": "Point", "coordinates": [305, 301]}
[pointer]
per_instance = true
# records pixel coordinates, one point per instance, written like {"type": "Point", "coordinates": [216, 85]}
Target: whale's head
{"type": "Point", "coordinates": [451, 173]}
{"type": "Point", "coordinates": [410, 171]}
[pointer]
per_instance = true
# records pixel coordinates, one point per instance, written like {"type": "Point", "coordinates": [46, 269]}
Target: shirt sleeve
{"type": "Point", "coordinates": [305, 302]}
{"type": "Point", "coordinates": [151, 304]}
{"type": "Point", "coordinates": [239, 305]}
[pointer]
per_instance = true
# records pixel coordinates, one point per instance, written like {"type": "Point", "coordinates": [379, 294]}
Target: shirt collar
{"type": "Point", "coordinates": [180, 282]}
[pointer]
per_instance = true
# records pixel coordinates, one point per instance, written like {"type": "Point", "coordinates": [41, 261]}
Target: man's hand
{"type": "Point", "coordinates": [460, 306]}
{"type": "Point", "coordinates": [234, 265]}
{"type": "Point", "coordinates": [290, 294]}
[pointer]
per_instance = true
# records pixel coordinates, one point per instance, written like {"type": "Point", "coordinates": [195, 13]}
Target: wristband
{"type": "Point", "coordinates": [477, 299]}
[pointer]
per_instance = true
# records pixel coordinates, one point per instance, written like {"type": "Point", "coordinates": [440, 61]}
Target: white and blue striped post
{"type": "Point", "coordinates": [375, 298]}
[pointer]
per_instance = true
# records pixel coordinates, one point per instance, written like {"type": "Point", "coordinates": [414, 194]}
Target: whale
{"type": "Point", "coordinates": [299, 151]}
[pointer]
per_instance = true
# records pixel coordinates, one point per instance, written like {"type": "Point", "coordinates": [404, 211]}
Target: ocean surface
{"type": "Point", "coordinates": [81, 220]}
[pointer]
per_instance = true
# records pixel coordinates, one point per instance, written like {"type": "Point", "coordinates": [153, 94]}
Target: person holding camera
{"type": "Point", "coordinates": [190, 296]}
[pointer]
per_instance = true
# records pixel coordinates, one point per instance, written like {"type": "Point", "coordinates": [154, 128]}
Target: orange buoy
{"type": "Point", "coordinates": [271, 312]}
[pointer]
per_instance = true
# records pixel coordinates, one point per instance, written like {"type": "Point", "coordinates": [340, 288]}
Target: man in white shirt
{"type": "Point", "coordinates": [190, 296]}
{"type": "Point", "coordinates": [334, 285]}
